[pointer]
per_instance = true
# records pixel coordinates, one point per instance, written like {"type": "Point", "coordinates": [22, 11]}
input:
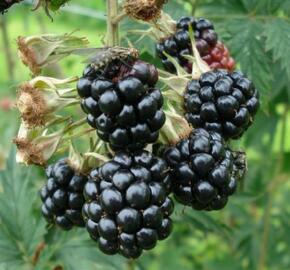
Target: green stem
{"type": "Point", "coordinates": [112, 26]}
{"type": "Point", "coordinates": [131, 265]}
{"type": "Point", "coordinates": [194, 6]}
{"type": "Point", "coordinates": [119, 17]}
{"type": "Point", "coordinates": [268, 211]}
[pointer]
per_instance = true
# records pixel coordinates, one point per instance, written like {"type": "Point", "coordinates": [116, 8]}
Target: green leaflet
{"type": "Point", "coordinates": [20, 231]}
{"type": "Point", "coordinates": [278, 40]}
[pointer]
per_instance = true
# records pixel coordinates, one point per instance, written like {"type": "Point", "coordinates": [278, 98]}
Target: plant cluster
{"type": "Point", "coordinates": [149, 133]}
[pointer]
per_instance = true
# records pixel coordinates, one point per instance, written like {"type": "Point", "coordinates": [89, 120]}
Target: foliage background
{"type": "Point", "coordinates": [251, 233]}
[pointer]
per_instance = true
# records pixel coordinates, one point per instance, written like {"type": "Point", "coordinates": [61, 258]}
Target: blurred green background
{"type": "Point", "coordinates": [251, 233]}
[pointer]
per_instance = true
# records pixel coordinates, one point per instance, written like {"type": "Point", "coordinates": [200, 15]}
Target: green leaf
{"type": "Point", "coordinates": [20, 231]}
{"type": "Point", "coordinates": [247, 44]}
{"type": "Point", "coordinates": [278, 40]}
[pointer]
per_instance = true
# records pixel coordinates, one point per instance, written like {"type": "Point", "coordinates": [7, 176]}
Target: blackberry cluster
{"type": "Point", "coordinates": [219, 58]}
{"type": "Point", "coordinates": [62, 196]}
{"type": "Point", "coordinates": [203, 170]}
{"type": "Point", "coordinates": [179, 44]}
{"type": "Point", "coordinates": [127, 209]}
{"type": "Point", "coordinates": [223, 102]}
{"type": "Point", "coordinates": [123, 103]}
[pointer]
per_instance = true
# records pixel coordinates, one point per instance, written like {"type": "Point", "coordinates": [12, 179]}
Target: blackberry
{"type": "Point", "coordinates": [6, 4]}
{"type": "Point", "coordinates": [219, 58]}
{"type": "Point", "coordinates": [123, 103]}
{"type": "Point", "coordinates": [203, 169]}
{"type": "Point", "coordinates": [62, 196]}
{"type": "Point", "coordinates": [127, 207]}
{"type": "Point", "coordinates": [180, 44]}
{"type": "Point", "coordinates": [223, 102]}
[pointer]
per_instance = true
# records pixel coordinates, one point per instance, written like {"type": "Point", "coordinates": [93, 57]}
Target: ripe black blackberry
{"type": "Point", "coordinates": [123, 104]}
{"type": "Point", "coordinates": [179, 44]}
{"type": "Point", "coordinates": [62, 196]}
{"type": "Point", "coordinates": [203, 169]}
{"type": "Point", "coordinates": [127, 209]}
{"type": "Point", "coordinates": [5, 4]}
{"type": "Point", "coordinates": [223, 102]}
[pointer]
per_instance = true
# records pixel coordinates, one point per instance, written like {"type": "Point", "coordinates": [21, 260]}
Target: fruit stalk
{"type": "Point", "coordinates": [131, 264]}
{"type": "Point", "coordinates": [112, 26]}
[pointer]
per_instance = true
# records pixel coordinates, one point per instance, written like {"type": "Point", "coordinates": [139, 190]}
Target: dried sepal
{"type": "Point", "coordinates": [198, 65]}
{"type": "Point", "coordinates": [145, 10]}
{"type": "Point", "coordinates": [84, 163]}
{"type": "Point", "coordinates": [159, 29]}
{"type": "Point", "coordinates": [175, 82]}
{"type": "Point", "coordinates": [38, 99]}
{"type": "Point", "coordinates": [34, 146]}
{"type": "Point", "coordinates": [175, 128]}
{"type": "Point", "coordinates": [36, 52]}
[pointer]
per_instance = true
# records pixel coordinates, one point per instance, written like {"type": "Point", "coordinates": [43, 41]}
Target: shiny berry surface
{"type": "Point", "coordinates": [127, 207]}
{"type": "Point", "coordinates": [204, 171]}
{"type": "Point", "coordinates": [62, 196]}
{"type": "Point", "coordinates": [123, 104]}
{"type": "Point", "coordinates": [219, 57]}
{"type": "Point", "coordinates": [180, 44]}
{"type": "Point", "coordinates": [212, 51]}
{"type": "Point", "coordinates": [223, 102]}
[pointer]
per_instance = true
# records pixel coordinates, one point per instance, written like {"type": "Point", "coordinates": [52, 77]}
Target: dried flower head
{"type": "Point", "coordinates": [37, 52]}
{"type": "Point", "coordinates": [145, 10]}
{"type": "Point", "coordinates": [34, 147]}
{"type": "Point", "coordinates": [31, 105]}
{"type": "Point", "coordinates": [38, 99]}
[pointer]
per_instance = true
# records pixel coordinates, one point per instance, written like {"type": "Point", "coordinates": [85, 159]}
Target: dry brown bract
{"type": "Point", "coordinates": [27, 56]}
{"type": "Point", "coordinates": [29, 152]}
{"type": "Point", "coordinates": [145, 10]}
{"type": "Point", "coordinates": [31, 105]}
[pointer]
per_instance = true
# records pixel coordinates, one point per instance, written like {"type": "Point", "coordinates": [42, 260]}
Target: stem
{"type": "Point", "coordinates": [270, 193]}
{"type": "Point", "coordinates": [119, 18]}
{"type": "Point", "coordinates": [8, 53]}
{"type": "Point", "coordinates": [112, 26]}
{"type": "Point", "coordinates": [194, 6]}
{"type": "Point", "coordinates": [131, 265]}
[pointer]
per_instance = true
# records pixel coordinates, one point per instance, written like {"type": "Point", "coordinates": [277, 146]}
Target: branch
{"type": "Point", "coordinates": [112, 27]}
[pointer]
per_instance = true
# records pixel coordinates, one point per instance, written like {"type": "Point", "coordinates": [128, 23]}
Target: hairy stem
{"type": "Point", "coordinates": [271, 193]}
{"type": "Point", "coordinates": [112, 26]}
